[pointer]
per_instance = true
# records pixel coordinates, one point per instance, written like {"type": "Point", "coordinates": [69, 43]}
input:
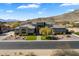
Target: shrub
{"type": "Point", "coordinates": [55, 38]}
{"type": "Point", "coordinates": [77, 33]}
{"type": "Point", "coordinates": [43, 38]}
{"type": "Point", "coordinates": [30, 37]}
{"type": "Point", "coordinates": [65, 50]}
{"type": "Point", "coordinates": [20, 53]}
{"type": "Point", "coordinates": [30, 54]}
{"type": "Point", "coordinates": [49, 38]}
{"type": "Point", "coordinates": [68, 36]}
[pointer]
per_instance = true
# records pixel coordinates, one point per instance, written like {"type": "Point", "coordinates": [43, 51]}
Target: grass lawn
{"type": "Point", "coordinates": [77, 33]}
{"type": "Point", "coordinates": [30, 37]}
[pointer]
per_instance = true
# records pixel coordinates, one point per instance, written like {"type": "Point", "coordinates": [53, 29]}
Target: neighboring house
{"type": "Point", "coordinates": [25, 30]}
{"type": "Point", "coordinates": [59, 29]}
{"type": "Point", "coordinates": [4, 28]}
{"type": "Point", "coordinates": [0, 30]}
{"type": "Point", "coordinates": [17, 30]}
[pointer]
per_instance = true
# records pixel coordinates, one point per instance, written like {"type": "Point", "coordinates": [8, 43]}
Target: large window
{"type": "Point", "coordinates": [23, 30]}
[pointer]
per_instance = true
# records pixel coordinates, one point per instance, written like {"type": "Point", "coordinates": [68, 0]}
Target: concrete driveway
{"type": "Point", "coordinates": [5, 35]}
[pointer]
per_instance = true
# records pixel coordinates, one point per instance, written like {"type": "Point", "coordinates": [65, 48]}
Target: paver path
{"type": "Point", "coordinates": [38, 37]}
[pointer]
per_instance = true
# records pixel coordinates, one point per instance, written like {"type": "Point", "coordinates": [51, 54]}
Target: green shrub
{"type": "Point", "coordinates": [77, 33]}
{"type": "Point", "coordinates": [48, 37]}
{"type": "Point", "coordinates": [30, 37]}
{"type": "Point", "coordinates": [43, 38]}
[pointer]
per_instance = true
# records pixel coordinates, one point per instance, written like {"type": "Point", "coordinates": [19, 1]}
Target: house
{"type": "Point", "coordinates": [30, 29]}
{"type": "Point", "coordinates": [4, 28]}
{"type": "Point", "coordinates": [33, 29]}
{"type": "Point", "coordinates": [0, 30]}
{"type": "Point", "coordinates": [17, 30]}
{"type": "Point", "coordinates": [59, 30]}
{"type": "Point", "coordinates": [42, 24]}
{"type": "Point", "coordinates": [25, 30]}
{"type": "Point", "coordinates": [39, 25]}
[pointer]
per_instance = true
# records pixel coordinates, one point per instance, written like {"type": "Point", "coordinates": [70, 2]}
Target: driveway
{"type": "Point", "coordinates": [5, 35]}
{"type": "Point", "coordinates": [70, 38]}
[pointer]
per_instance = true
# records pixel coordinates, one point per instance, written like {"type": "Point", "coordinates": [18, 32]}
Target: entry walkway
{"type": "Point", "coordinates": [38, 37]}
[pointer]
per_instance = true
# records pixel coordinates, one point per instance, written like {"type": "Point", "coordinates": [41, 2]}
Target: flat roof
{"type": "Point", "coordinates": [58, 26]}
{"type": "Point", "coordinates": [28, 25]}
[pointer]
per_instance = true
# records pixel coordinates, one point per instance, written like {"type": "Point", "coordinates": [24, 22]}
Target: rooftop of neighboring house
{"type": "Point", "coordinates": [58, 26]}
{"type": "Point", "coordinates": [42, 23]}
{"type": "Point", "coordinates": [32, 26]}
{"type": "Point", "coordinates": [27, 25]}
{"type": "Point", "coordinates": [76, 22]}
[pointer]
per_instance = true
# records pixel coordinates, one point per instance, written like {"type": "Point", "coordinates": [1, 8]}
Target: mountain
{"type": "Point", "coordinates": [71, 16]}
{"type": "Point", "coordinates": [2, 20]}
{"type": "Point", "coordinates": [8, 20]}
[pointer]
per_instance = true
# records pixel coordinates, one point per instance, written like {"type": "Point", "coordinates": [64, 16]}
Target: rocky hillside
{"type": "Point", "coordinates": [71, 16]}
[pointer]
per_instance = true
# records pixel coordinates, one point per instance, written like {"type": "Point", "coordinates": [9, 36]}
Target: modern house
{"type": "Point", "coordinates": [39, 25]}
{"type": "Point", "coordinates": [33, 29]}
{"type": "Point", "coordinates": [25, 30]}
{"type": "Point", "coordinates": [59, 30]}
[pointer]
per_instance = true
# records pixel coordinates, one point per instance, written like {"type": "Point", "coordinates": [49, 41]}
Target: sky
{"type": "Point", "coordinates": [25, 11]}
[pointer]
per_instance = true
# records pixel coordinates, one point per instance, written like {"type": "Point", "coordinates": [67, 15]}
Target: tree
{"type": "Point", "coordinates": [45, 31]}
{"type": "Point", "coordinates": [14, 24]}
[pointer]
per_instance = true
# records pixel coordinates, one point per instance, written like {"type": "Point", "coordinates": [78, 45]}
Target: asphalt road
{"type": "Point", "coordinates": [38, 44]}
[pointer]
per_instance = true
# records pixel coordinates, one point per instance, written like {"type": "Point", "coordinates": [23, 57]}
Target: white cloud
{"type": "Point", "coordinates": [9, 3]}
{"type": "Point", "coordinates": [29, 6]}
{"type": "Point", "coordinates": [9, 11]}
{"type": "Point", "coordinates": [40, 12]}
{"type": "Point", "coordinates": [70, 10]}
{"type": "Point", "coordinates": [68, 4]}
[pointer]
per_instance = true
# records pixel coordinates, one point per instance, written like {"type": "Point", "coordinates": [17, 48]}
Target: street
{"type": "Point", "coordinates": [72, 41]}
{"type": "Point", "coordinates": [38, 44]}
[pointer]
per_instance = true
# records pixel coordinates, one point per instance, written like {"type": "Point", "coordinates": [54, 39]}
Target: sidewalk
{"type": "Point", "coordinates": [35, 40]}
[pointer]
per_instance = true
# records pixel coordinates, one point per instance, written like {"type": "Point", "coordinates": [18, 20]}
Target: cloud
{"type": "Point", "coordinates": [70, 10]}
{"type": "Point", "coordinates": [9, 4]}
{"type": "Point", "coordinates": [9, 11]}
{"type": "Point", "coordinates": [68, 4]}
{"type": "Point", "coordinates": [40, 12]}
{"type": "Point", "coordinates": [29, 6]}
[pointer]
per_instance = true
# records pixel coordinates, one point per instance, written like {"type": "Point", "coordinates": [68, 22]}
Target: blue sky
{"type": "Point", "coordinates": [24, 11]}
